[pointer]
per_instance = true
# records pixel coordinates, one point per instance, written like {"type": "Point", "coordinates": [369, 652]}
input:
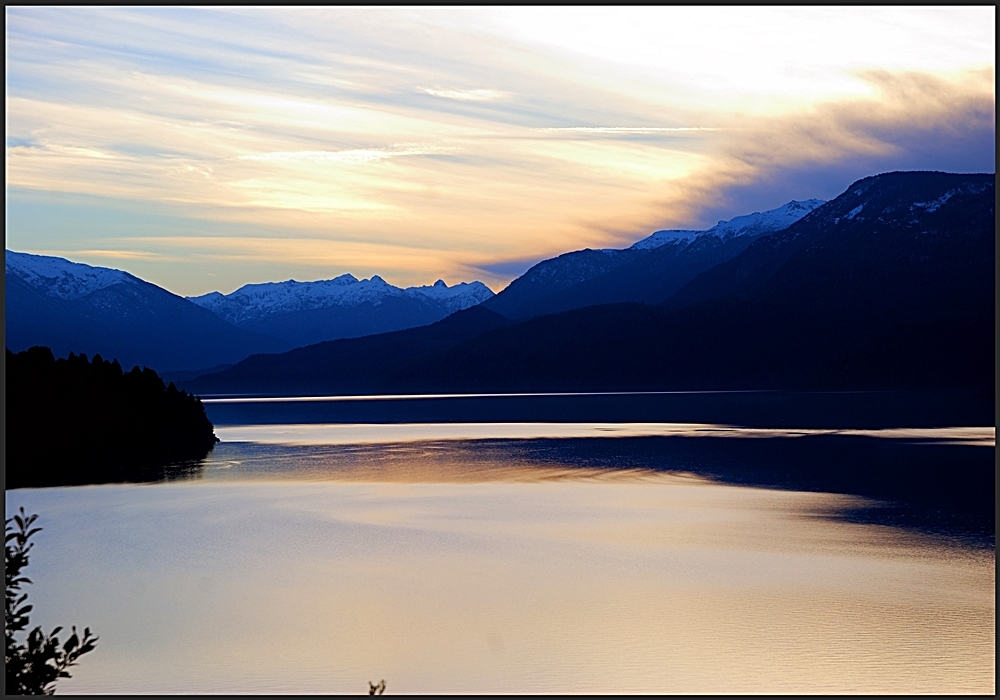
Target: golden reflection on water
{"type": "Point", "coordinates": [443, 572]}
{"type": "Point", "coordinates": [435, 462]}
{"type": "Point", "coordinates": [385, 433]}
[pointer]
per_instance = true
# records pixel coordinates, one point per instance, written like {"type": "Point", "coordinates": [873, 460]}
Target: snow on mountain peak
{"type": "Point", "coordinates": [754, 224]}
{"type": "Point", "coordinates": [253, 301]}
{"type": "Point", "coordinates": [455, 298]}
{"type": "Point", "coordinates": [660, 238]}
{"type": "Point", "coordinates": [61, 278]}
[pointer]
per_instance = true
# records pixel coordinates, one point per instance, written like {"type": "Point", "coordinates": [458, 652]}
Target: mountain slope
{"type": "Point", "coordinates": [648, 272]}
{"type": "Point", "coordinates": [350, 365]}
{"type": "Point", "coordinates": [303, 313]}
{"type": "Point", "coordinates": [649, 279]}
{"type": "Point", "coordinates": [906, 221]}
{"type": "Point", "coordinates": [556, 275]}
{"type": "Point", "coordinates": [71, 307]}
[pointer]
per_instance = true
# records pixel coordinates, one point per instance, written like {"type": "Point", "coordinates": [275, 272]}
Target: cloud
{"type": "Point", "coordinates": [914, 121]}
{"type": "Point", "coordinates": [477, 95]}
{"type": "Point", "coordinates": [614, 130]}
{"type": "Point", "coordinates": [505, 269]}
{"type": "Point", "coordinates": [908, 108]}
{"type": "Point", "coordinates": [310, 252]}
{"type": "Point", "coordinates": [113, 255]}
{"type": "Point", "coordinates": [351, 156]}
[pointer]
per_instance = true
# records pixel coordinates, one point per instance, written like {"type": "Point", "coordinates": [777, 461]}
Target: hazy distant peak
{"type": "Point", "coordinates": [58, 277]}
{"type": "Point", "coordinates": [253, 301]}
{"type": "Point", "coordinates": [754, 224]}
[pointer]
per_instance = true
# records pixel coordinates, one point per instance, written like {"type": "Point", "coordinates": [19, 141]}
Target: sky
{"type": "Point", "coordinates": [204, 149]}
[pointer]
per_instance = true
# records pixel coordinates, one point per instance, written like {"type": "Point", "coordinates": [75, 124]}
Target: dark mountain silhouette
{"type": "Point", "coordinates": [649, 272]}
{"type": "Point", "coordinates": [900, 298]}
{"type": "Point", "coordinates": [889, 286]}
{"type": "Point", "coordinates": [310, 326]}
{"type": "Point", "coordinates": [72, 421]}
{"type": "Point", "coordinates": [649, 279]}
{"type": "Point", "coordinates": [351, 365]}
{"type": "Point", "coordinates": [883, 241]}
{"type": "Point", "coordinates": [72, 307]}
{"type": "Point", "coordinates": [533, 289]}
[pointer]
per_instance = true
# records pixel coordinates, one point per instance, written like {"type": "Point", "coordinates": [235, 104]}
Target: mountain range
{"type": "Point", "coordinates": [302, 313]}
{"type": "Point", "coordinates": [75, 307]}
{"type": "Point", "coordinates": [889, 285]}
{"type": "Point", "coordinates": [72, 307]}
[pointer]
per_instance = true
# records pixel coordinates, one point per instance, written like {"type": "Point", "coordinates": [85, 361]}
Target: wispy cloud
{"type": "Point", "coordinates": [351, 156]}
{"type": "Point", "coordinates": [475, 95]}
{"type": "Point", "coordinates": [80, 254]}
{"type": "Point", "coordinates": [624, 129]}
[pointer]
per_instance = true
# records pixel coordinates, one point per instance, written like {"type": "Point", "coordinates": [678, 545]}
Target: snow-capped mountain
{"type": "Point", "coordinates": [62, 279]}
{"type": "Point", "coordinates": [72, 307]}
{"type": "Point", "coordinates": [456, 297]}
{"type": "Point", "coordinates": [302, 313]}
{"type": "Point", "coordinates": [756, 224]}
{"type": "Point", "coordinates": [649, 271]}
{"type": "Point", "coordinates": [252, 302]}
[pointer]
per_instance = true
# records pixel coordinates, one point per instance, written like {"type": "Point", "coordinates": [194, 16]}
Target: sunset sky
{"type": "Point", "coordinates": [202, 149]}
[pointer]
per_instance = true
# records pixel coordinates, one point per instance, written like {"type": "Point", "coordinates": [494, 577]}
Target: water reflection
{"type": "Point", "coordinates": [511, 558]}
{"type": "Point", "coordinates": [938, 480]}
{"type": "Point", "coordinates": [387, 433]}
{"type": "Point", "coordinates": [762, 409]}
{"type": "Point", "coordinates": [650, 583]}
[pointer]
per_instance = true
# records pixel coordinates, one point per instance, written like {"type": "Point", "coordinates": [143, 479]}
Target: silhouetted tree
{"type": "Point", "coordinates": [32, 667]}
{"type": "Point", "coordinates": [73, 421]}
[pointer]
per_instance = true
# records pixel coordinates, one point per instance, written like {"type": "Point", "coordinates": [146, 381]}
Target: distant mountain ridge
{"type": "Point", "coordinates": [303, 313]}
{"type": "Point", "coordinates": [254, 301]}
{"type": "Point", "coordinates": [888, 286]}
{"type": "Point", "coordinates": [647, 272]}
{"type": "Point", "coordinates": [73, 307]}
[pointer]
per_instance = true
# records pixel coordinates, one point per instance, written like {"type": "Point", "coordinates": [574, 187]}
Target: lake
{"type": "Point", "coordinates": [497, 550]}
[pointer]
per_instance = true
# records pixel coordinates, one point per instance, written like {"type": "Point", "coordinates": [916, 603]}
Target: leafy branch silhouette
{"type": "Point", "coordinates": [33, 667]}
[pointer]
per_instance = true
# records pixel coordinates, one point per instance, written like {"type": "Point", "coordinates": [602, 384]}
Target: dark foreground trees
{"type": "Point", "coordinates": [73, 421]}
{"type": "Point", "coordinates": [32, 667]}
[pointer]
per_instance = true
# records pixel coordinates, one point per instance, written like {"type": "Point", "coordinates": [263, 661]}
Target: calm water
{"type": "Point", "coordinates": [312, 558]}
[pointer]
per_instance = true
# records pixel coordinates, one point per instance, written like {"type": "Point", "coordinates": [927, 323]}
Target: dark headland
{"type": "Point", "coordinates": [76, 421]}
